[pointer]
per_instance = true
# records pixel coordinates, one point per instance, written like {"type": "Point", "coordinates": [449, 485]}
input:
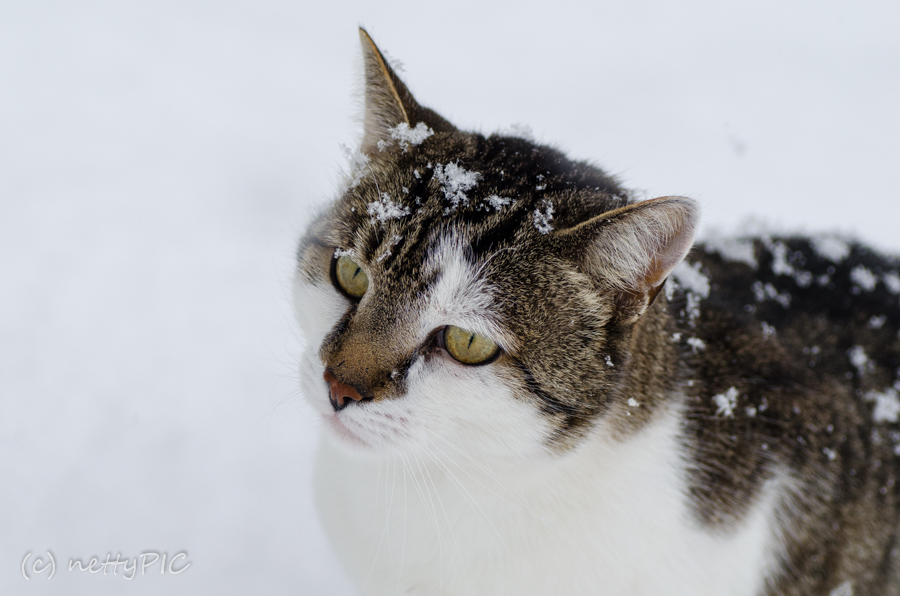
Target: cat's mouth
{"type": "Point", "coordinates": [371, 430]}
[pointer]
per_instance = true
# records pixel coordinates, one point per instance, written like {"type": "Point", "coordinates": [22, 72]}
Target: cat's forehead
{"type": "Point", "coordinates": [489, 192]}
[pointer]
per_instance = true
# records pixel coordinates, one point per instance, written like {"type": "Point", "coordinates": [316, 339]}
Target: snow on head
{"type": "Point", "coordinates": [455, 181]}
{"type": "Point", "coordinates": [385, 209]}
{"type": "Point", "coordinates": [498, 202]}
{"type": "Point", "coordinates": [726, 402]}
{"type": "Point", "coordinates": [542, 219]}
{"type": "Point", "coordinates": [830, 247]}
{"type": "Point", "coordinates": [357, 161]}
{"type": "Point", "coordinates": [887, 405]}
{"type": "Point", "coordinates": [407, 136]}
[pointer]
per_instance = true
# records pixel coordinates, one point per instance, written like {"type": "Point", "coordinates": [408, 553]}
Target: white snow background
{"type": "Point", "coordinates": [158, 161]}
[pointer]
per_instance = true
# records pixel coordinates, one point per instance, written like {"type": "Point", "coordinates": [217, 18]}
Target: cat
{"type": "Point", "coordinates": [531, 383]}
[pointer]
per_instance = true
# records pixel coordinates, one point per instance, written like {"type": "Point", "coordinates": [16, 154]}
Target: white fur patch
{"type": "Point", "coordinates": [462, 296]}
{"type": "Point", "coordinates": [318, 307]}
{"type": "Point", "coordinates": [610, 518]}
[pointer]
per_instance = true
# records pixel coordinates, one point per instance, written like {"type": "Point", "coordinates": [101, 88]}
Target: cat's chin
{"type": "Point", "coordinates": [345, 436]}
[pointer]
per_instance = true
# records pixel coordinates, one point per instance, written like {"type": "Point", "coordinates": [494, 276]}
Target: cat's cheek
{"type": "Point", "coordinates": [312, 385]}
{"type": "Point", "coordinates": [318, 307]}
{"type": "Point", "coordinates": [476, 410]}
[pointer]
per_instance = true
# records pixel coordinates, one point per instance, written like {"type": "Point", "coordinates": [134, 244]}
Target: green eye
{"type": "Point", "coordinates": [349, 277]}
{"type": "Point", "coordinates": [467, 346]}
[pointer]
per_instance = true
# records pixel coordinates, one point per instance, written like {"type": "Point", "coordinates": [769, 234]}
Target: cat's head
{"type": "Point", "coordinates": [473, 292]}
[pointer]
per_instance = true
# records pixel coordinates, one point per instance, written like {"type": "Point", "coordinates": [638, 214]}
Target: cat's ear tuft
{"type": "Point", "coordinates": [633, 250]}
{"type": "Point", "coordinates": [388, 102]}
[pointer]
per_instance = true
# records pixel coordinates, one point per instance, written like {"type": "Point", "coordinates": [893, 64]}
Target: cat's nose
{"type": "Point", "coordinates": [342, 394]}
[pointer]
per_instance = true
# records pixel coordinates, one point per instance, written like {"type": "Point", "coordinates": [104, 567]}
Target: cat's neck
{"type": "Point", "coordinates": [649, 380]}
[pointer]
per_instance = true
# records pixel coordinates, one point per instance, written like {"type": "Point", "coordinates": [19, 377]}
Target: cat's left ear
{"type": "Point", "coordinates": [633, 250]}
{"type": "Point", "coordinates": [388, 102]}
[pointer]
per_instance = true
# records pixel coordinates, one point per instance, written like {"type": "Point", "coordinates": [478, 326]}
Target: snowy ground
{"type": "Point", "coordinates": [158, 161]}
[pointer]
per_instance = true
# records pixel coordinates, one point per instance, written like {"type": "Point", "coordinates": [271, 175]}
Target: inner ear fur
{"type": "Point", "coordinates": [388, 101]}
{"type": "Point", "coordinates": [633, 250]}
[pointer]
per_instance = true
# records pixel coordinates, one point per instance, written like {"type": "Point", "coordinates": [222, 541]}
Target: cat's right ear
{"type": "Point", "coordinates": [388, 102]}
{"type": "Point", "coordinates": [633, 250]}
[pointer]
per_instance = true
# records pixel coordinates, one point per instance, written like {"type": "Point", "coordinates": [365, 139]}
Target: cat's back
{"type": "Point", "coordinates": [794, 341]}
{"type": "Point", "coordinates": [832, 304]}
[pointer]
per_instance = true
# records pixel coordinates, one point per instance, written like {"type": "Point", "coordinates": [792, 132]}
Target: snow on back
{"type": "Point", "coordinates": [726, 402]}
{"type": "Point", "coordinates": [830, 247]}
{"type": "Point", "coordinates": [863, 278]}
{"type": "Point", "coordinates": [691, 279]}
{"type": "Point", "coordinates": [858, 359]}
{"type": "Point", "coordinates": [887, 405]}
{"type": "Point", "coordinates": [845, 589]}
{"type": "Point", "coordinates": [696, 343]}
{"type": "Point", "coordinates": [523, 131]}
{"type": "Point", "coordinates": [768, 292]}
{"type": "Point", "coordinates": [892, 282]}
{"type": "Point", "coordinates": [780, 265]}
{"type": "Point", "coordinates": [385, 209]}
{"type": "Point", "coordinates": [455, 181]}
{"type": "Point", "coordinates": [732, 249]}
{"type": "Point", "coordinates": [407, 136]}
{"type": "Point", "coordinates": [542, 219]}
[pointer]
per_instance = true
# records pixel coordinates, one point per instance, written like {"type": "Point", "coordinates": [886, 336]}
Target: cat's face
{"type": "Point", "coordinates": [472, 293]}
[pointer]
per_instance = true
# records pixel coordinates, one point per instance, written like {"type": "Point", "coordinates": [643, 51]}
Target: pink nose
{"type": "Point", "coordinates": [341, 393]}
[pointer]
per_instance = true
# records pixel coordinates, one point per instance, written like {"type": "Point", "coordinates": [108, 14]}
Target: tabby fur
{"type": "Point", "coordinates": [732, 430]}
